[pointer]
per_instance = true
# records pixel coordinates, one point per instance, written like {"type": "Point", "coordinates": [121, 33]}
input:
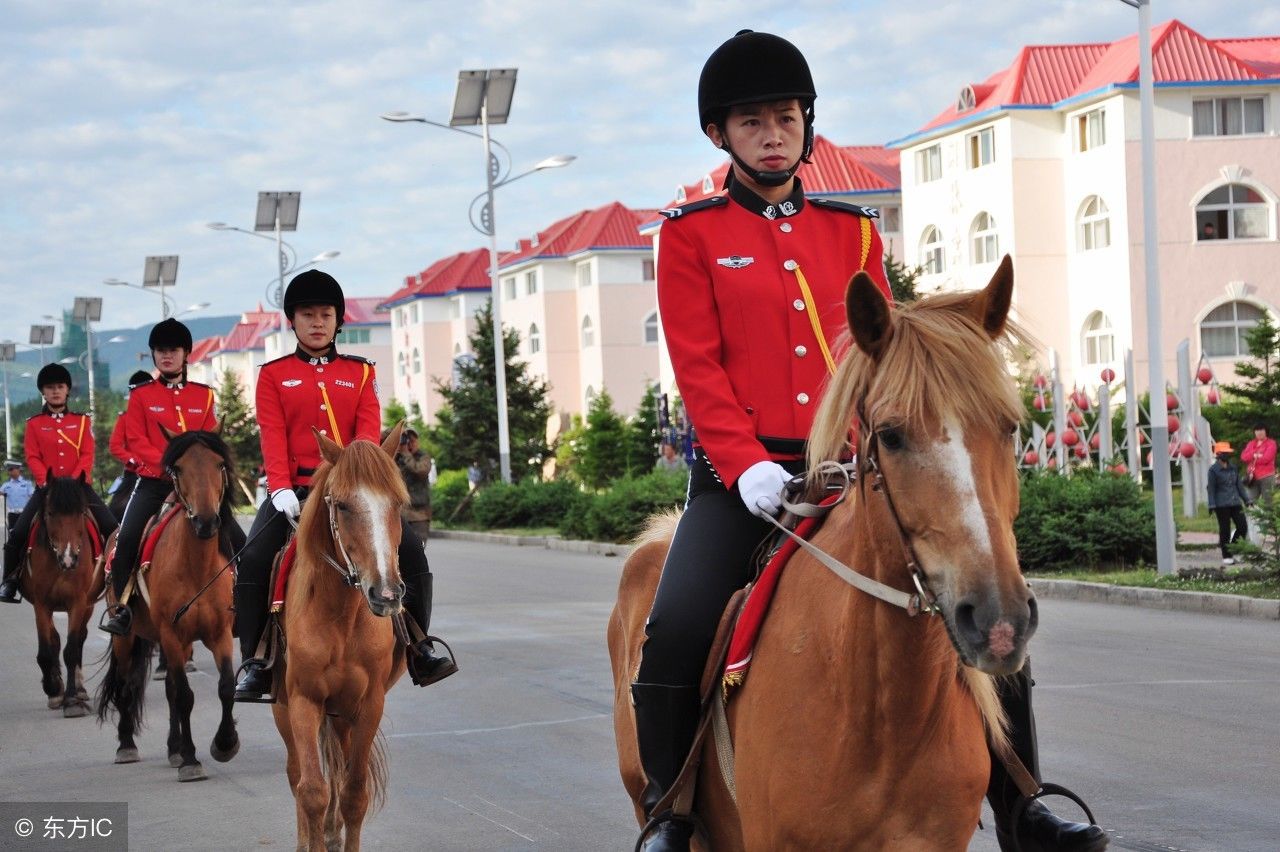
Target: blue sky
{"type": "Point", "coordinates": [126, 126]}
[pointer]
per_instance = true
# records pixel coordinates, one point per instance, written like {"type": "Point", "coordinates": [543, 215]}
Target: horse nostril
{"type": "Point", "coordinates": [1033, 616]}
{"type": "Point", "coordinates": [967, 624]}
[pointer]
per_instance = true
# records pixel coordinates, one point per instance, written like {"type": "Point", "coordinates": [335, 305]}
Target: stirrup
{"type": "Point", "coordinates": [1046, 789]}
{"type": "Point", "coordinates": [666, 816]}
{"type": "Point", "coordinates": [111, 614]}
{"type": "Point", "coordinates": [448, 664]}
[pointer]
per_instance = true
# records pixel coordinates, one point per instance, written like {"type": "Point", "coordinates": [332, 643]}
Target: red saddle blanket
{"type": "Point", "coordinates": [747, 628]}
{"type": "Point", "coordinates": [152, 537]}
{"type": "Point", "coordinates": [282, 575]}
{"type": "Point", "coordinates": [90, 526]}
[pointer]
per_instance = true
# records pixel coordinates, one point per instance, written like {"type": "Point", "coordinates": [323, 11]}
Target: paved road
{"type": "Point", "coordinates": [1169, 724]}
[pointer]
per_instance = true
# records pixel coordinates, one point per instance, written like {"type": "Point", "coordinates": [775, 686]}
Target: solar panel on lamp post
{"type": "Point", "coordinates": [88, 310]}
{"type": "Point", "coordinates": [161, 271]}
{"type": "Point", "coordinates": [42, 336]}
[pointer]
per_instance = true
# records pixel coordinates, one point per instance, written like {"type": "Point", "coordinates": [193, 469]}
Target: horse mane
{"type": "Point", "coordinates": [939, 362]}
{"type": "Point", "coordinates": [65, 496]}
{"type": "Point", "coordinates": [363, 464]}
{"type": "Point", "coordinates": [183, 441]}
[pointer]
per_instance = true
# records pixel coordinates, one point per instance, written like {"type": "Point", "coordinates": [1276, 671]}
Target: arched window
{"type": "Point", "coordinates": [986, 244]}
{"type": "Point", "coordinates": [1093, 226]}
{"type": "Point", "coordinates": [588, 333]}
{"type": "Point", "coordinates": [417, 361]}
{"type": "Point", "coordinates": [1099, 341]}
{"type": "Point", "coordinates": [1223, 330]}
{"type": "Point", "coordinates": [457, 349]}
{"type": "Point", "coordinates": [535, 339]}
{"type": "Point", "coordinates": [931, 254]}
{"type": "Point", "coordinates": [1233, 212]}
{"type": "Point", "coordinates": [651, 328]}
{"type": "Point", "coordinates": [402, 361]}
{"type": "Point", "coordinates": [590, 396]}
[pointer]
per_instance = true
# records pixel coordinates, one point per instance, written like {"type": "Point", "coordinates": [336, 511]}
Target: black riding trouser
{"type": "Point", "coordinates": [148, 495]}
{"type": "Point", "coordinates": [21, 529]}
{"type": "Point", "coordinates": [124, 491]}
{"type": "Point", "coordinates": [269, 533]}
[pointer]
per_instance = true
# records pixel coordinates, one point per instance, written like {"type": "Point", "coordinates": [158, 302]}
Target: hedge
{"type": "Point", "coordinates": [1087, 519]}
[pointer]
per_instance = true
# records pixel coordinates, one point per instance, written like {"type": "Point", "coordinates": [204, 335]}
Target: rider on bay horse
{"type": "Point", "coordinates": [315, 386]}
{"type": "Point", "coordinates": [120, 450]}
{"type": "Point", "coordinates": [751, 287]}
{"type": "Point", "coordinates": [58, 442]}
{"type": "Point", "coordinates": [168, 403]}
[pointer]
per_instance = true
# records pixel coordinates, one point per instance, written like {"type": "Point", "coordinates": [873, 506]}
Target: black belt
{"type": "Point", "coordinates": [783, 446]}
{"type": "Point", "coordinates": [306, 471]}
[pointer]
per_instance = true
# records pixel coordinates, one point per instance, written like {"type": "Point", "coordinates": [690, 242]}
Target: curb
{"type": "Point", "coordinates": [1073, 590]}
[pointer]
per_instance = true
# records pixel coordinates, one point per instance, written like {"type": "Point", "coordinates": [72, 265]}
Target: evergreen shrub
{"type": "Point", "coordinates": [450, 490]}
{"type": "Point", "coordinates": [1086, 520]}
{"type": "Point", "coordinates": [620, 513]}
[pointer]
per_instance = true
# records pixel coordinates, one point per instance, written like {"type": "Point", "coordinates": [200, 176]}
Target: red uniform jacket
{"type": "Point", "coordinates": [119, 447]}
{"type": "Point", "coordinates": [178, 407]}
{"type": "Point", "coordinates": [59, 445]}
{"type": "Point", "coordinates": [337, 394]}
{"type": "Point", "coordinates": [739, 325]}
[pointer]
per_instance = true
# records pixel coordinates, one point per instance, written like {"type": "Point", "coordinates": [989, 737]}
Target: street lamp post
{"type": "Point", "coordinates": [42, 335]}
{"type": "Point", "coordinates": [7, 354]}
{"type": "Point", "coordinates": [484, 97]}
{"type": "Point", "coordinates": [88, 310]}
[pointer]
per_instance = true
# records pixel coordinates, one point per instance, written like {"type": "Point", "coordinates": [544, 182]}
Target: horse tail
{"type": "Point", "coordinates": [124, 690]}
{"type": "Point", "coordinates": [335, 765]}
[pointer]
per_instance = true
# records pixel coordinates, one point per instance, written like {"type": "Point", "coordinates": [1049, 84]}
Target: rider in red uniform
{"type": "Point", "coordinates": [120, 450]}
{"type": "Point", "coordinates": [318, 387]}
{"type": "Point", "coordinates": [58, 442]}
{"type": "Point", "coordinates": [173, 403]}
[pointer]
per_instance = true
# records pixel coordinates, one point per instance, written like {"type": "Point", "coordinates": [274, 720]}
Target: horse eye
{"type": "Point", "coordinates": [343, 507]}
{"type": "Point", "coordinates": [891, 438]}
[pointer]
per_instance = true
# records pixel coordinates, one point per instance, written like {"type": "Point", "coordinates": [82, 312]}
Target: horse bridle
{"type": "Point", "coordinates": [177, 489]}
{"type": "Point", "coordinates": [48, 539]}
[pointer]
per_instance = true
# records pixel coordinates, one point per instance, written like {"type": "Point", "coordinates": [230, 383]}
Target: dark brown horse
{"type": "Point", "coordinates": [859, 726]}
{"type": "Point", "coordinates": [342, 654]}
{"type": "Point", "coordinates": [62, 576]}
{"type": "Point", "coordinates": [192, 549]}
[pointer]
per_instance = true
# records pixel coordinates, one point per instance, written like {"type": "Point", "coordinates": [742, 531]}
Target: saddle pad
{"type": "Point", "coordinates": [153, 538]}
{"type": "Point", "coordinates": [90, 526]}
{"type": "Point", "coordinates": [283, 566]}
{"type": "Point", "coordinates": [756, 607]}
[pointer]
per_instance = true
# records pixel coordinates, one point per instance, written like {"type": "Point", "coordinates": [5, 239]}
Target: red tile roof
{"type": "Point", "coordinates": [362, 310]}
{"type": "Point", "coordinates": [613, 226]}
{"type": "Point", "coordinates": [203, 348]}
{"type": "Point", "coordinates": [248, 333]}
{"type": "Point", "coordinates": [1046, 75]}
{"type": "Point", "coordinates": [468, 270]}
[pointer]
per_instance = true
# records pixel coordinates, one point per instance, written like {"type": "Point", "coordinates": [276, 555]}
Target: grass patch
{"type": "Point", "coordinates": [1147, 578]}
{"type": "Point", "coordinates": [1204, 521]}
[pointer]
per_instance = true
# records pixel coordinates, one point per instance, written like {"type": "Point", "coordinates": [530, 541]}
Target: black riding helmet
{"type": "Point", "coordinates": [141, 377]}
{"type": "Point", "coordinates": [170, 334]}
{"type": "Point", "coordinates": [314, 287]}
{"type": "Point", "coordinates": [53, 374]}
{"type": "Point", "coordinates": [753, 68]}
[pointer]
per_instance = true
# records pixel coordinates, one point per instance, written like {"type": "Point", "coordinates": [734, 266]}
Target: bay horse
{"type": "Point", "coordinates": [860, 727]}
{"type": "Point", "coordinates": [341, 654]}
{"type": "Point", "coordinates": [61, 575]}
{"type": "Point", "coordinates": [187, 556]}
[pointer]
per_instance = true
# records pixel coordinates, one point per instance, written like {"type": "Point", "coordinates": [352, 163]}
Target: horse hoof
{"type": "Point", "coordinates": [55, 701]}
{"type": "Point", "coordinates": [175, 760]}
{"type": "Point", "coordinates": [194, 772]}
{"type": "Point", "coordinates": [159, 674]}
{"type": "Point", "coordinates": [82, 695]}
{"type": "Point", "coordinates": [75, 711]}
{"type": "Point", "coordinates": [127, 755]}
{"type": "Point", "coordinates": [223, 756]}
{"type": "Point", "coordinates": [190, 667]}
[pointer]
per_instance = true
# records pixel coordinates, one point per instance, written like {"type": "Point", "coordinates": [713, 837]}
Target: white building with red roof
{"type": "Point", "coordinates": [1042, 161]}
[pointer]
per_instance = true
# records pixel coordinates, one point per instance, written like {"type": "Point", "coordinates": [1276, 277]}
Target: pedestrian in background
{"type": "Point", "coordinates": [1226, 500]}
{"type": "Point", "coordinates": [17, 491]}
{"type": "Point", "coordinates": [416, 468]}
{"type": "Point", "coordinates": [1260, 456]}
{"type": "Point", "coordinates": [669, 459]}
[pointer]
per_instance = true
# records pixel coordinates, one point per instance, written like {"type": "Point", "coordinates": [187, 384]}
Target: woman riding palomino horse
{"type": "Point", "coordinates": [317, 388]}
{"type": "Point", "coordinates": [751, 287]}
{"type": "Point", "coordinates": [342, 654]}
{"type": "Point", "coordinates": [120, 450]}
{"type": "Point", "coordinates": [170, 405]}
{"type": "Point", "coordinates": [184, 597]}
{"type": "Point", "coordinates": [58, 442]}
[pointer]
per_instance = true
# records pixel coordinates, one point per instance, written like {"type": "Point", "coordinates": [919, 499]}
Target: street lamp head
{"type": "Point", "coordinates": [68, 360]}
{"type": "Point", "coordinates": [119, 338]}
{"type": "Point", "coordinates": [555, 161]}
{"type": "Point", "coordinates": [325, 255]}
{"type": "Point", "coordinates": [400, 115]}
{"type": "Point", "coordinates": [115, 282]}
{"type": "Point", "coordinates": [219, 226]}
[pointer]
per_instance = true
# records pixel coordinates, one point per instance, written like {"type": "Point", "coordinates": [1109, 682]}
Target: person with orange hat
{"type": "Point", "coordinates": [1227, 499]}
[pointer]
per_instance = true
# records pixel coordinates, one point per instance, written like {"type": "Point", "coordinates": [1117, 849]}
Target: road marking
{"type": "Point", "coordinates": [489, 819]}
{"type": "Point", "coordinates": [464, 731]}
{"type": "Point", "coordinates": [1244, 681]}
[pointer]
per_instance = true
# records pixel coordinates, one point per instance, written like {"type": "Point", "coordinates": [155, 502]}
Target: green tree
{"type": "Point", "coordinates": [240, 431]}
{"type": "Point", "coordinates": [1256, 397]}
{"type": "Point", "coordinates": [644, 435]}
{"type": "Point", "coordinates": [467, 423]}
{"type": "Point", "coordinates": [108, 406]}
{"type": "Point", "coordinates": [902, 279]}
{"type": "Point", "coordinates": [393, 412]}
{"type": "Point", "coordinates": [604, 444]}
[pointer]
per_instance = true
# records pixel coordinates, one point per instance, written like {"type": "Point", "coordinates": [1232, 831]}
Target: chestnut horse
{"type": "Point", "coordinates": [189, 554]}
{"type": "Point", "coordinates": [859, 726]}
{"type": "Point", "coordinates": [61, 576]}
{"type": "Point", "coordinates": [341, 654]}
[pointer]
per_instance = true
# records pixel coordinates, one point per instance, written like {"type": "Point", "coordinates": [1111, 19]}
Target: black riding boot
{"type": "Point", "coordinates": [254, 685]}
{"type": "Point", "coordinates": [1038, 830]}
{"type": "Point", "coordinates": [117, 620]}
{"type": "Point", "coordinates": [666, 721]}
{"type": "Point", "coordinates": [9, 587]}
{"type": "Point", "coordinates": [425, 666]}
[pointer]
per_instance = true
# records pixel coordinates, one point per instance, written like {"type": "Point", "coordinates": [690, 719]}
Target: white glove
{"type": "Point", "coordinates": [287, 502]}
{"type": "Point", "coordinates": [761, 487]}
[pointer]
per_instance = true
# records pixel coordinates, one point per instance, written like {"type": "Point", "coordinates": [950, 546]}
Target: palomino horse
{"type": "Point", "coordinates": [860, 727]}
{"type": "Point", "coordinates": [61, 577]}
{"type": "Point", "coordinates": [187, 556]}
{"type": "Point", "coordinates": [342, 655]}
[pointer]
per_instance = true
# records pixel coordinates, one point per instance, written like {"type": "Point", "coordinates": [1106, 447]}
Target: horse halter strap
{"type": "Point", "coordinates": [349, 573]}
{"type": "Point", "coordinates": [177, 490]}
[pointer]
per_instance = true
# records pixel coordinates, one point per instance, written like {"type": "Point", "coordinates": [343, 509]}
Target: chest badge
{"type": "Point", "coordinates": [291, 383]}
{"type": "Point", "coordinates": [735, 261]}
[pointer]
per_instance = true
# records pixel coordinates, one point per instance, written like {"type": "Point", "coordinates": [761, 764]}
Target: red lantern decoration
{"type": "Point", "coordinates": [1138, 437]}
{"type": "Point", "coordinates": [1082, 403]}
{"type": "Point", "coordinates": [1041, 382]}
{"type": "Point", "coordinates": [1095, 441]}
{"type": "Point", "coordinates": [1120, 469]}
{"type": "Point", "coordinates": [1052, 464]}
{"type": "Point", "coordinates": [1075, 418]}
{"type": "Point", "coordinates": [1070, 438]}
{"type": "Point", "coordinates": [1031, 458]}
{"type": "Point", "coordinates": [1148, 458]}
{"type": "Point", "coordinates": [1205, 375]}
{"type": "Point", "coordinates": [1050, 439]}
{"type": "Point", "coordinates": [1038, 403]}
{"type": "Point", "coordinates": [1108, 375]}
{"type": "Point", "coordinates": [1187, 449]}
{"type": "Point", "coordinates": [1174, 423]}
{"type": "Point", "coordinates": [1081, 451]}
{"type": "Point", "coordinates": [1212, 396]}
{"type": "Point", "coordinates": [1171, 402]}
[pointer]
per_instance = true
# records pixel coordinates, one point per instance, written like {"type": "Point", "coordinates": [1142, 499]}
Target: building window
{"type": "Point", "coordinates": [413, 313]}
{"type": "Point", "coordinates": [1099, 341]}
{"type": "Point", "coordinates": [1227, 116]}
{"type": "Point", "coordinates": [967, 100]}
{"type": "Point", "coordinates": [929, 164]}
{"type": "Point", "coordinates": [531, 282]}
{"type": "Point", "coordinates": [931, 254]}
{"type": "Point", "coordinates": [651, 328]}
{"type": "Point", "coordinates": [590, 396]}
{"type": "Point", "coordinates": [890, 220]}
{"type": "Point", "coordinates": [1223, 330]}
{"type": "Point", "coordinates": [584, 274]}
{"type": "Point", "coordinates": [417, 361]}
{"type": "Point", "coordinates": [647, 270]}
{"type": "Point", "coordinates": [455, 307]}
{"type": "Point", "coordinates": [509, 288]}
{"type": "Point", "coordinates": [1233, 212]}
{"type": "Point", "coordinates": [1093, 227]}
{"type": "Point", "coordinates": [588, 333]}
{"type": "Point", "coordinates": [981, 147]}
{"type": "Point", "coordinates": [986, 243]}
{"type": "Point", "coordinates": [535, 339]}
{"type": "Point", "coordinates": [354, 335]}
{"type": "Point", "coordinates": [402, 362]}
{"type": "Point", "coordinates": [1091, 130]}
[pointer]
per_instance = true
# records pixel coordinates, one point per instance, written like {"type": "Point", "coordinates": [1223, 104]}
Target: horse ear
{"type": "Point", "coordinates": [868, 314]}
{"type": "Point", "coordinates": [329, 451]}
{"type": "Point", "coordinates": [81, 478]}
{"type": "Point", "coordinates": [392, 442]}
{"type": "Point", "coordinates": [168, 435]}
{"type": "Point", "coordinates": [991, 306]}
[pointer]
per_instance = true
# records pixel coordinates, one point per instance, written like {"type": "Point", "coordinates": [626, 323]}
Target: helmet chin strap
{"type": "Point", "coordinates": [775, 178]}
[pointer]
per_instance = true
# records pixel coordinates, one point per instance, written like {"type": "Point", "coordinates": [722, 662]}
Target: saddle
{"type": "Point", "coordinates": [90, 526]}
{"type": "Point", "coordinates": [151, 532]}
